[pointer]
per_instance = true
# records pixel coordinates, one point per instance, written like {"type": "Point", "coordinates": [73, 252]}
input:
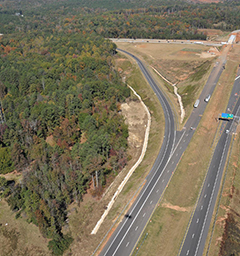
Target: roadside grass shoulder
{"type": "Point", "coordinates": [154, 240]}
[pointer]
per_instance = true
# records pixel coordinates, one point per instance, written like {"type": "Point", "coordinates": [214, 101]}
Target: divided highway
{"type": "Point", "coordinates": [197, 231]}
{"type": "Point", "coordinates": [124, 239]}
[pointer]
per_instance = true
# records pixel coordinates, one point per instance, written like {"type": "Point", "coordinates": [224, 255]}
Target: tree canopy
{"type": "Point", "coordinates": [60, 95]}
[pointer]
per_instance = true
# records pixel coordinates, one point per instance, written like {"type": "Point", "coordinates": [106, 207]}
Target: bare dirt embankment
{"type": "Point", "coordinates": [136, 118]}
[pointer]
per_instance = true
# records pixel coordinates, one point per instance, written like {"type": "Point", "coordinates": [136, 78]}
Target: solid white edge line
{"type": "Point", "coordinates": [237, 78]}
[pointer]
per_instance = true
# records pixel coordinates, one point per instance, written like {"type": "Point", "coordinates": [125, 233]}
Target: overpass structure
{"type": "Point", "coordinates": [234, 37]}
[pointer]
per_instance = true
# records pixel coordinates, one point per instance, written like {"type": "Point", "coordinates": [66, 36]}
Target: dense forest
{"type": "Point", "coordinates": [133, 19]}
{"type": "Point", "coordinates": [61, 126]}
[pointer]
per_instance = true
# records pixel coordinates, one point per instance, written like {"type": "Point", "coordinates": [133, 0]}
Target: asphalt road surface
{"type": "Point", "coordinates": [124, 239]}
{"type": "Point", "coordinates": [164, 41]}
{"type": "Point", "coordinates": [197, 231]}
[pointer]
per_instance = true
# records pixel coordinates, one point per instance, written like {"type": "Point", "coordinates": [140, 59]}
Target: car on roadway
{"type": "Point", "coordinates": [207, 98]}
{"type": "Point", "coordinates": [196, 103]}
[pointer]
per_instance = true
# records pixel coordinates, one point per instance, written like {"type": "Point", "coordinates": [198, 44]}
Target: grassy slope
{"type": "Point", "coordinates": [17, 237]}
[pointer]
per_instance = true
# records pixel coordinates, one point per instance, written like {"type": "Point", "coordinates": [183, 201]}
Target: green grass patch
{"type": "Point", "coordinates": [115, 211]}
{"type": "Point", "coordinates": [127, 189]}
{"type": "Point", "coordinates": [201, 71]}
{"type": "Point", "coordinates": [191, 50]}
{"type": "Point", "coordinates": [156, 238]}
{"type": "Point", "coordinates": [168, 86]}
{"type": "Point", "coordinates": [187, 93]}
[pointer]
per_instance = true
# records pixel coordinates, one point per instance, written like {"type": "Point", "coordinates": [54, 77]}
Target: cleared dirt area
{"type": "Point", "coordinates": [176, 62]}
{"type": "Point", "coordinates": [176, 207]}
{"type": "Point", "coordinates": [136, 118]}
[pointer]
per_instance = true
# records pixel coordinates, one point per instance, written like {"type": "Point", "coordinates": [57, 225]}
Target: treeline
{"type": "Point", "coordinates": [70, 6]}
{"type": "Point", "coordinates": [61, 99]}
{"type": "Point", "coordinates": [170, 22]}
{"type": "Point", "coordinates": [165, 19]}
